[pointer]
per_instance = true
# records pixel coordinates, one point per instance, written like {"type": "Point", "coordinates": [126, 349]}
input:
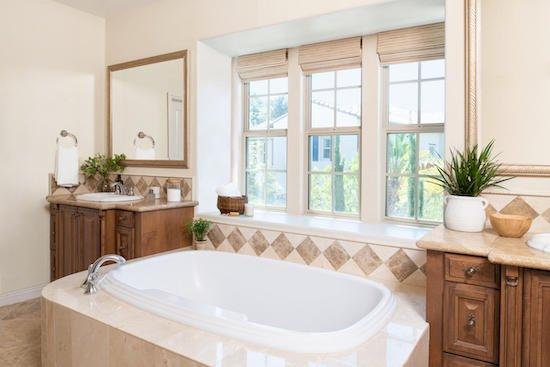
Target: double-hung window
{"type": "Point", "coordinates": [265, 141]}
{"type": "Point", "coordinates": [414, 128]}
{"type": "Point", "coordinates": [333, 138]}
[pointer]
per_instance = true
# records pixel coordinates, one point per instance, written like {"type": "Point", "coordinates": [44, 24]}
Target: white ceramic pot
{"type": "Point", "coordinates": [465, 213]}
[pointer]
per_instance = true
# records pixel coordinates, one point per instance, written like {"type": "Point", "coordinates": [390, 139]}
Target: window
{"type": "Point", "coordinates": [266, 121]}
{"type": "Point", "coordinates": [333, 133]}
{"type": "Point", "coordinates": [415, 116]}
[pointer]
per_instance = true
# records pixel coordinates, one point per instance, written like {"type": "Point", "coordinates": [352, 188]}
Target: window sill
{"type": "Point", "coordinates": [380, 233]}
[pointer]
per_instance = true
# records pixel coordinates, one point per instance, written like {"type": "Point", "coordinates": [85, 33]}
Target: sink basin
{"type": "Point", "coordinates": [540, 242]}
{"type": "Point", "coordinates": [107, 197]}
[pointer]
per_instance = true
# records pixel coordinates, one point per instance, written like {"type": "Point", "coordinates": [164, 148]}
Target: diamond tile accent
{"type": "Point", "coordinates": [142, 186]}
{"type": "Point", "coordinates": [308, 251]}
{"type": "Point", "coordinates": [519, 206]}
{"type": "Point", "coordinates": [401, 265]}
{"type": "Point", "coordinates": [336, 255]}
{"type": "Point", "coordinates": [236, 239]}
{"type": "Point", "coordinates": [546, 214]}
{"type": "Point", "coordinates": [282, 246]}
{"type": "Point", "coordinates": [367, 260]}
{"type": "Point", "coordinates": [258, 243]}
{"type": "Point", "coordinates": [215, 235]}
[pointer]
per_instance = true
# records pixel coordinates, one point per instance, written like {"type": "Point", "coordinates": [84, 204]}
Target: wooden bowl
{"type": "Point", "coordinates": [509, 225]}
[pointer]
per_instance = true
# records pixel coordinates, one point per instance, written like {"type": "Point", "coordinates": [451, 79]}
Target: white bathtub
{"type": "Point", "coordinates": [273, 303]}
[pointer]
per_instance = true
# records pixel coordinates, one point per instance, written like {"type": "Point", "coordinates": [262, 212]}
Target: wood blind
{"type": "Point", "coordinates": [425, 42]}
{"type": "Point", "coordinates": [331, 55]}
{"type": "Point", "coordinates": [267, 64]}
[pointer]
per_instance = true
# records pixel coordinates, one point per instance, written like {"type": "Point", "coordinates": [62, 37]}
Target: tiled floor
{"type": "Point", "coordinates": [20, 334]}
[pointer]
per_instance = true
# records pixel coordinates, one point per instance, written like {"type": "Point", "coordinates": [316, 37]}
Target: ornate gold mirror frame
{"type": "Point", "coordinates": [473, 91]}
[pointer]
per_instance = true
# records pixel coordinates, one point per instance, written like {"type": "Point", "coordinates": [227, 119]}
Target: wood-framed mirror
{"type": "Point", "coordinates": [147, 111]}
{"type": "Point", "coordinates": [508, 82]}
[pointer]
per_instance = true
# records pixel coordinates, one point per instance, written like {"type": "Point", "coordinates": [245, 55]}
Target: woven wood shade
{"type": "Point", "coordinates": [425, 42]}
{"type": "Point", "coordinates": [263, 65]}
{"type": "Point", "coordinates": [331, 55]}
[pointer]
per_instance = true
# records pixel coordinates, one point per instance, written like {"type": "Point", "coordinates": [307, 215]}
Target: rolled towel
{"type": "Point", "coordinates": [228, 190]}
{"type": "Point", "coordinates": [66, 166]}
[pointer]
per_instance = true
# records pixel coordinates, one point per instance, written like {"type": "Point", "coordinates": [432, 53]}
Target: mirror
{"type": "Point", "coordinates": [147, 111]}
{"type": "Point", "coordinates": [508, 90]}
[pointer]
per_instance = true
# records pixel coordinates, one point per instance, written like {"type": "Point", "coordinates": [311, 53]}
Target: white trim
{"type": "Point", "coordinates": [21, 295]}
{"type": "Point", "coordinates": [378, 233]}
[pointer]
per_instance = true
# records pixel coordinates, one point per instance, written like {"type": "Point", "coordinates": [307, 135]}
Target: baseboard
{"type": "Point", "coordinates": [21, 295]}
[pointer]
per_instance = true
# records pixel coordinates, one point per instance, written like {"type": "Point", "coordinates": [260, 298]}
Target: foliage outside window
{"type": "Point", "coordinates": [415, 116]}
{"type": "Point", "coordinates": [334, 120]}
{"type": "Point", "coordinates": [266, 121]}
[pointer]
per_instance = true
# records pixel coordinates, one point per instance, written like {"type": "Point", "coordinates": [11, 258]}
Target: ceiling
{"type": "Point", "coordinates": [369, 19]}
{"type": "Point", "coordinates": [105, 8]}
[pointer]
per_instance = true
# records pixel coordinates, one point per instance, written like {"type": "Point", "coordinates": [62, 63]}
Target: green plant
{"type": "Point", "coordinates": [471, 172]}
{"type": "Point", "coordinates": [199, 228]}
{"type": "Point", "coordinates": [102, 166]}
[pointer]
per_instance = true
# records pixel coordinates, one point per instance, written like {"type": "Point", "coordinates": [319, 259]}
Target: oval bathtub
{"type": "Point", "coordinates": [274, 303]}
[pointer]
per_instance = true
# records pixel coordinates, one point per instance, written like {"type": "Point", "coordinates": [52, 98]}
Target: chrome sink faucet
{"type": "Point", "coordinates": [90, 284]}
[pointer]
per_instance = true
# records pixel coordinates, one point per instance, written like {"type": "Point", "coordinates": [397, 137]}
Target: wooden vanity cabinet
{"type": "Point", "coordinates": [78, 236]}
{"type": "Point", "coordinates": [483, 314]}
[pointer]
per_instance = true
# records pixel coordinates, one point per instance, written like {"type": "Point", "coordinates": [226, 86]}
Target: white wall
{"type": "Point", "coordinates": [51, 78]}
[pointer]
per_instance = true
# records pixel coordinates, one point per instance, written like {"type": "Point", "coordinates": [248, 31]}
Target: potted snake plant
{"type": "Point", "coordinates": [464, 178]}
{"type": "Point", "coordinates": [199, 228]}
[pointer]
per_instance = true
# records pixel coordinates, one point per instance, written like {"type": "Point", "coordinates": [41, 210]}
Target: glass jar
{"type": "Point", "coordinates": [173, 190]}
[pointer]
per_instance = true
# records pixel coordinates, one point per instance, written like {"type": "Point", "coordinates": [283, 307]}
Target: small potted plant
{"type": "Point", "coordinates": [464, 178]}
{"type": "Point", "coordinates": [199, 228]}
{"type": "Point", "coordinates": [101, 167]}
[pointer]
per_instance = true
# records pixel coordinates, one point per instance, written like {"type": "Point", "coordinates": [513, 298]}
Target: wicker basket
{"type": "Point", "coordinates": [228, 204]}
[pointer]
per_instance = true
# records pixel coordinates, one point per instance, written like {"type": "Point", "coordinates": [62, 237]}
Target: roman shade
{"type": "Point", "coordinates": [420, 43]}
{"type": "Point", "coordinates": [267, 64]}
{"type": "Point", "coordinates": [331, 55]}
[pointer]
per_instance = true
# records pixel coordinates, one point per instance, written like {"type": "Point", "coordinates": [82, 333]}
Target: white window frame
{"type": "Point", "coordinates": [330, 131]}
{"type": "Point", "coordinates": [267, 133]}
{"type": "Point", "coordinates": [419, 128]}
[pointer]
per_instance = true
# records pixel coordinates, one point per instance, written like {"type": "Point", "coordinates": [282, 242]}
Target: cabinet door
{"type": "Point", "coordinates": [89, 241]}
{"type": "Point", "coordinates": [66, 240]}
{"type": "Point", "coordinates": [471, 317]}
{"type": "Point", "coordinates": [536, 319]}
{"type": "Point", "coordinates": [125, 242]}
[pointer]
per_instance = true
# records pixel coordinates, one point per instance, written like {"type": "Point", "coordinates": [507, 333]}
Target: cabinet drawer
{"type": "Point", "coordinates": [125, 219]}
{"type": "Point", "coordinates": [471, 321]}
{"type": "Point", "coordinates": [450, 360]}
{"type": "Point", "coordinates": [471, 270]}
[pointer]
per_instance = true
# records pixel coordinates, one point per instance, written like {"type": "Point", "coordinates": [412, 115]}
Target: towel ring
{"type": "Point", "coordinates": [64, 134]}
{"type": "Point", "coordinates": [142, 135]}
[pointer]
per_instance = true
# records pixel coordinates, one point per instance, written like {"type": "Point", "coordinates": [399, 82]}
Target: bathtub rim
{"type": "Point", "coordinates": [264, 335]}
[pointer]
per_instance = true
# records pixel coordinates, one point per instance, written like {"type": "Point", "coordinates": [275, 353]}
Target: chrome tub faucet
{"type": "Point", "coordinates": [90, 284]}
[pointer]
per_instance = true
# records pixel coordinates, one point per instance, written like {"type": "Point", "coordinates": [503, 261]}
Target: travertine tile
{"type": "Point", "coordinates": [519, 206]}
{"type": "Point", "coordinates": [308, 251]}
{"type": "Point", "coordinates": [258, 243]}
{"type": "Point", "coordinates": [401, 265]}
{"type": "Point", "coordinates": [367, 260]}
{"type": "Point", "coordinates": [236, 239]}
{"type": "Point", "coordinates": [282, 246]}
{"type": "Point", "coordinates": [216, 235]}
{"type": "Point", "coordinates": [336, 255]}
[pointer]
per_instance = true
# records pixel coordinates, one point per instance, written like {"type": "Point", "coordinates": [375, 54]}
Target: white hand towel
{"type": "Point", "coordinates": [145, 153]}
{"type": "Point", "coordinates": [66, 166]}
{"type": "Point", "coordinates": [228, 190]}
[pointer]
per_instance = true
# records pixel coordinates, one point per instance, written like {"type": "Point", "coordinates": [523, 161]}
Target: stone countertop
{"type": "Point", "coordinates": [143, 205]}
{"type": "Point", "coordinates": [499, 250]}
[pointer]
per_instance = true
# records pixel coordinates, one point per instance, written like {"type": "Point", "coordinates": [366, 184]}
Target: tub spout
{"type": "Point", "coordinates": [90, 283]}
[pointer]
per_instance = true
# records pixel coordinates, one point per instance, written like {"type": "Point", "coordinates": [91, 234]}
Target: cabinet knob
{"type": "Point", "coordinates": [471, 320]}
{"type": "Point", "coordinates": [471, 270]}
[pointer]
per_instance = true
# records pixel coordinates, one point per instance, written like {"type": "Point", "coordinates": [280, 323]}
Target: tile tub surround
{"type": "Point", "coordinates": [20, 334]}
{"type": "Point", "coordinates": [390, 264]}
{"type": "Point", "coordinates": [140, 184]}
{"type": "Point", "coordinates": [100, 330]}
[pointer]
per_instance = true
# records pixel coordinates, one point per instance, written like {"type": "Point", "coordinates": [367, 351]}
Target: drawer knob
{"type": "Point", "coordinates": [471, 320]}
{"type": "Point", "coordinates": [471, 270]}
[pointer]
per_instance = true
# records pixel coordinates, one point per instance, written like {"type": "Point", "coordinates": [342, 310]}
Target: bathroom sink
{"type": "Point", "coordinates": [107, 197]}
{"type": "Point", "coordinates": [540, 242]}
